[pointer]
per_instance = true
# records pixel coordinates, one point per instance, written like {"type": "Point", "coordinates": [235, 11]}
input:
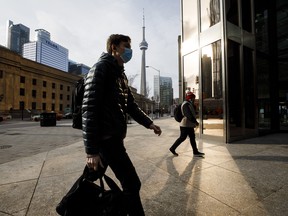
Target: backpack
{"type": "Point", "coordinates": [77, 99]}
{"type": "Point", "coordinates": [178, 113]}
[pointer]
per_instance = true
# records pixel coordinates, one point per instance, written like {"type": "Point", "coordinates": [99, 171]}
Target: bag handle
{"type": "Point", "coordinates": [92, 175]}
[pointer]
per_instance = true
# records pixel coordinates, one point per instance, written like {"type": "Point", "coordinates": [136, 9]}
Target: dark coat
{"type": "Point", "coordinates": [106, 102]}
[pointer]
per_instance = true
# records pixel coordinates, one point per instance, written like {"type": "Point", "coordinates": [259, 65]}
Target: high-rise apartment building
{"type": "Point", "coordinates": [17, 36]}
{"type": "Point", "coordinates": [45, 51]}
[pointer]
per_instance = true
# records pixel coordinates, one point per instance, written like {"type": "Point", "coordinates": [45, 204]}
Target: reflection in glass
{"type": "Point", "coordinates": [232, 11]}
{"type": "Point", "coordinates": [264, 106]}
{"type": "Point", "coordinates": [190, 17]}
{"type": "Point", "coordinates": [282, 38]}
{"type": "Point", "coordinates": [191, 77]}
{"type": "Point", "coordinates": [249, 89]}
{"type": "Point", "coordinates": [210, 13]}
{"type": "Point", "coordinates": [246, 15]}
{"type": "Point", "coordinates": [234, 90]}
{"type": "Point", "coordinates": [211, 71]}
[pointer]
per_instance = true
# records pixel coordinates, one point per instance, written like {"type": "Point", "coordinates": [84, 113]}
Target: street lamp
{"type": "Point", "coordinates": [158, 93]}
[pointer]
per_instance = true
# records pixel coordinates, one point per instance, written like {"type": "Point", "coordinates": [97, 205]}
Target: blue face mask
{"type": "Point", "coordinates": [126, 55]}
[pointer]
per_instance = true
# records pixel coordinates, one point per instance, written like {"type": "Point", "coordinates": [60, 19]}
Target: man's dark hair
{"type": "Point", "coordinates": [116, 39]}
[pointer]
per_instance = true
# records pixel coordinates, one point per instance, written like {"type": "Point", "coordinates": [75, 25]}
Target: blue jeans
{"type": "Point", "coordinates": [184, 132]}
{"type": "Point", "coordinates": [115, 156]}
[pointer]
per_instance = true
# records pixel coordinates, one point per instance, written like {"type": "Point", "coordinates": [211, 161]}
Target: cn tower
{"type": "Point", "coordinates": [143, 46]}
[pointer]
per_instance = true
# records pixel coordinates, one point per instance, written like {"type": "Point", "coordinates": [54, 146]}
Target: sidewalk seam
{"type": "Point", "coordinates": [36, 184]}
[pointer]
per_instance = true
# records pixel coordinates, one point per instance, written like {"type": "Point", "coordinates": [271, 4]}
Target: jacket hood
{"type": "Point", "coordinates": [106, 57]}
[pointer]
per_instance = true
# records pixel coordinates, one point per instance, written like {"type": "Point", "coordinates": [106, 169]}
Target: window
{"type": "Point", "coordinates": [210, 13]}
{"type": "Point", "coordinates": [1, 74]}
{"type": "Point", "coordinates": [249, 88]}
{"type": "Point", "coordinates": [44, 94]}
{"type": "Point", "coordinates": [44, 83]}
{"type": "Point", "coordinates": [53, 107]}
{"type": "Point", "coordinates": [212, 97]}
{"type": "Point", "coordinates": [246, 15]}
{"type": "Point", "coordinates": [234, 89]}
{"type": "Point", "coordinates": [232, 11]}
{"type": "Point", "coordinates": [22, 79]}
{"type": "Point", "coordinates": [68, 97]}
{"type": "Point", "coordinates": [21, 105]}
{"type": "Point", "coordinates": [190, 19]}
{"type": "Point", "coordinates": [33, 105]}
{"type": "Point", "coordinates": [53, 95]}
{"type": "Point", "coordinates": [34, 93]}
{"type": "Point", "coordinates": [68, 88]}
{"type": "Point", "coordinates": [61, 107]}
{"type": "Point", "coordinates": [61, 87]}
{"type": "Point", "coordinates": [53, 85]}
{"type": "Point", "coordinates": [61, 96]}
{"type": "Point", "coordinates": [22, 92]}
{"type": "Point", "coordinates": [191, 72]}
{"type": "Point", "coordinates": [34, 82]}
{"type": "Point", "coordinates": [43, 106]}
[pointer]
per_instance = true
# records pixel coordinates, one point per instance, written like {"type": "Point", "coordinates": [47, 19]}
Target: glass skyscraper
{"type": "Point", "coordinates": [17, 36]}
{"type": "Point", "coordinates": [47, 52]}
{"type": "Point", "coordinates": [234, 57]}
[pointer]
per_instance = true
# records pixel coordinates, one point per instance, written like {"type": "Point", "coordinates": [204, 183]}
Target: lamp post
{"type": "Point", "coordinates": [158, 93]}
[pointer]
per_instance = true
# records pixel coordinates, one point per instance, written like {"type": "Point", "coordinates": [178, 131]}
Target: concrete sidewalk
{"type": "Point", "coordinates": [244, 178]}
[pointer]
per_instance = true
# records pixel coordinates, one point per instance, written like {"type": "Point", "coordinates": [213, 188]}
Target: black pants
{"type": "Point", "coordinates": [114, 155]}
{"type": "Point", "coordinates": [184, 132]}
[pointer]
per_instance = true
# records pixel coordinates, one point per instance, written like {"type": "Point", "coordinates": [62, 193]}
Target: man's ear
{"type": "Point", "coordinates": [113, 47]}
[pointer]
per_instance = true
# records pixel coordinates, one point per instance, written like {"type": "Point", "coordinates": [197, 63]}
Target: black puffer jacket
{"type": "Point", "coordinates": [107, 99]}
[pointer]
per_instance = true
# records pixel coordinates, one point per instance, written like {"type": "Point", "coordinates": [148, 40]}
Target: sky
{"type": "Point", "coordinates": [83, 26]}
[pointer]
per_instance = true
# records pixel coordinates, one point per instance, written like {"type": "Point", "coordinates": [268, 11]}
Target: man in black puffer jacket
{"type": "Point", "coordinates": [106, 103]}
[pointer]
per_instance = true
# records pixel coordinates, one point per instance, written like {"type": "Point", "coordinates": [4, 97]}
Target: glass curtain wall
{"type": "Point", "coordinates": [240, 71]}
{"type": "Point", "coordinates": [202, 62]}
{"type": "Point", "coordinates": [282, 38]}
{"type": "Point", "coordinates": [191, 78]}
{"type": "Point", "coordinates": [263, 64]}
{"type": "Point", "coordinates": [212, 92]}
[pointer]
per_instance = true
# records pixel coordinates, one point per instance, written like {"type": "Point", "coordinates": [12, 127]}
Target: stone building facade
{"type": "Point", "coordinates": [36, 88]}
{"type": "Point", "coordinates": [28, 85]}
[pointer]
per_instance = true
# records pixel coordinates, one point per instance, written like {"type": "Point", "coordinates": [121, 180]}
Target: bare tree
{"type": "Point", "coordinates": [148, 89]}
{"type": "Point", "coordinates": [131, 79]}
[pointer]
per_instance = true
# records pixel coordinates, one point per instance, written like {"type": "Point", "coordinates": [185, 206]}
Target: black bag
{"type": "Point", "coordinates": [178, 116]}
{"type": "Point", "coordinates": [76, 108]}
{"type": "Point", "coordinates": [86, 198]}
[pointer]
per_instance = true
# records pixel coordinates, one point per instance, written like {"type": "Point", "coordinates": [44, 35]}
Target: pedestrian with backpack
{"type": "Point", "coordinates": [107, 101]}
{"type": "Point", "coordinates": [187, 125]}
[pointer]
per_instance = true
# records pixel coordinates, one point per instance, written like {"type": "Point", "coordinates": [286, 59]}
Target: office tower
{"type": "Point", "coordinates": [78, 68]}
{"type": "Point", "coordinates": [143, 46]}
{"type": "Point", "coordinates": [165, 92]}
{"type": "Point", "coordinates": [45, 51]}
{"type": "Point", "coordinates": [234, 58]}
{"type": "Point", "coordinates": [17, 36]}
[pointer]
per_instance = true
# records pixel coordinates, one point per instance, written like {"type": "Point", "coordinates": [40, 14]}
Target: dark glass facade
{"type": "Point", "coordinates": [234, 57]}
{"type": "Point", "coordinates": [18, 35]}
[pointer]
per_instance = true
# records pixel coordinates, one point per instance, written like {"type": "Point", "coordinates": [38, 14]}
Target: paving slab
{"type": "Point", "coordinates": [249, 177]}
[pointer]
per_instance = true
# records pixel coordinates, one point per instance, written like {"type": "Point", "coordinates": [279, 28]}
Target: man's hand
{"type": "Point", "coordinates": [157, 129]}
{"type": "Point", "coordinates": [94, 161]}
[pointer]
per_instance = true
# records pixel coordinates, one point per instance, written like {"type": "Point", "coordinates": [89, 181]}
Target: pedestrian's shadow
{"type": "Point", "coordinates": [175, 196]}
